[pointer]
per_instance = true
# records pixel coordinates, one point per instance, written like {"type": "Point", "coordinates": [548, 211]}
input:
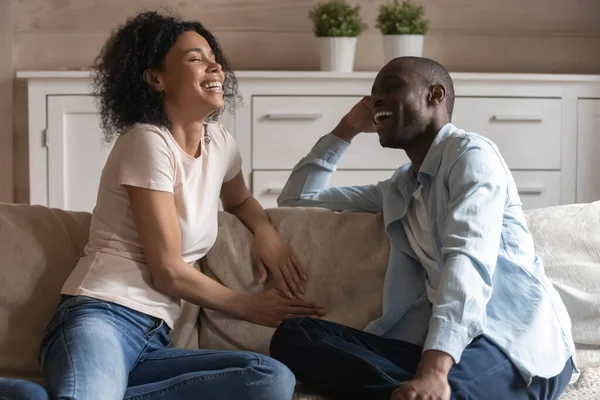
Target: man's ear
{"type": "Point", "coordinates": [154, 79]}
{"type": "Point", "coordinates": [437, 94]}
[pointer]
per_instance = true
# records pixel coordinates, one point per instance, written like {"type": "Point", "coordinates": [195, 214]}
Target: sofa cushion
{"type": "Point", "coordinates": [39, 247]}
{"type": "Point", "coordinates": [346, 268]}
{"type": "Point", "coordinates": [567, 238]}
{"type": "Point", "coordinates": [344, 255]}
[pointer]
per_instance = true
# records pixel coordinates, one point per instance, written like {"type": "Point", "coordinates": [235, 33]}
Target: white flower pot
{"type": "Point", "coordinates": [401, 46]}
{"type": "Point", "coordinates": [337, 53]}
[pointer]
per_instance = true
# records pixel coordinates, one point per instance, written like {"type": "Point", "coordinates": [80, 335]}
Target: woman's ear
{"type": "Point", "coordinates": [154, 79]}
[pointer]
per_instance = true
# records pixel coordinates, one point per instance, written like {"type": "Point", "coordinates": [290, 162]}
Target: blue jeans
{"type": "Point", "coordinates": [98, 350]}
{"type": "Point", "coordinates": [345, 363]}
{"type": "Point", "coordinates": [17, 389]}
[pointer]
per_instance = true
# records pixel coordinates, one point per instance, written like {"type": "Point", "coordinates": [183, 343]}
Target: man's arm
{"type": "Point", "coordinates": [478, 190]}
{"type": "Point", "coordinates": [306, 186]}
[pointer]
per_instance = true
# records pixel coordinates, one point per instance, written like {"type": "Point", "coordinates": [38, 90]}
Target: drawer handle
{"type": "Point", "coordinates": [530, 189]}
{"type": "Point", "coordinates": [274, 189]}
{"type": "Point", "coordinates": [518, 117]}
{"type": "Point", "coordinates": [309, 116]}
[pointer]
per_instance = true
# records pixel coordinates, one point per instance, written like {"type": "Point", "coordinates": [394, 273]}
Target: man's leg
{"type": "Point", "coordinates": [342, 362]}
{"type": "Point", "coordinates": [485, 372]}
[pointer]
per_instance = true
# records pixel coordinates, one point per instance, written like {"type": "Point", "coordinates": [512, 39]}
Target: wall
{"type": "Point", "coordinates": [6, 102]}
{"type": "Point", "coordinates": [537, 36]}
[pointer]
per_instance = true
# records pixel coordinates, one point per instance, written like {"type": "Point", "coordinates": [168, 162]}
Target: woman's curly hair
{"type": "Point", "coordinates": [118, 72]}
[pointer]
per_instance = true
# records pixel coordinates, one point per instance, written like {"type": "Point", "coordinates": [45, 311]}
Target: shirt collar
{"type": "Point", "coordinates": [433, 159]}
{"type": "Point", "coordinates": [408, 180]}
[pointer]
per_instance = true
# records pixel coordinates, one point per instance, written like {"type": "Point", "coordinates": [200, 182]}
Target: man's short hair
{"type": "Point", "coordinates": [433, 72]}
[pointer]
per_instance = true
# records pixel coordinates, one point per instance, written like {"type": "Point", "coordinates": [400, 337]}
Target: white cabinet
{"type": "Point", "coordinates": [76, 152]}
{"type": "Point", "coordinates": [546, 127]}
{"type": "Point", "coordinates": [588, 151]}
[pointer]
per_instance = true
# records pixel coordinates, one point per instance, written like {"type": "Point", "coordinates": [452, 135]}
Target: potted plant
{"type": "Point", "coordinates": [337, 25]}
{"type": "Point", "coordinates": [403, 27]}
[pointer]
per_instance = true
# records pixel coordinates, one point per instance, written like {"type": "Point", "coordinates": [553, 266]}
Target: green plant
{"type": "Point", "coordinates": [336, 18]}
{"type": "Point", "coordinates": [402, 19]}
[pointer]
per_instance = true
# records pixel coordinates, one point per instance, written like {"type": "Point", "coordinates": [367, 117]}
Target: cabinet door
{"type": "Point", "coordinates": [588, 146]}
{"type": "Point", "coordinates": [77, 152]}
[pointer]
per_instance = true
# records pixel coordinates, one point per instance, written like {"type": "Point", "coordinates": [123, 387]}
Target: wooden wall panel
{"type": "Point", "coordinates": [6, 102]}
{"type": "Point", "coordinates": [299, 51]}
{"type": "Point", "coordinates": [518, 17]}
{"type": "Point", "coordinates": [21, 143]}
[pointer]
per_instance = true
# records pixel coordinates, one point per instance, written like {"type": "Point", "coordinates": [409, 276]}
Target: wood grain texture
{"type": "Point", "coordinates": [21, 143]}
{"type": "Point", "coordinates": [299, 51]}
{"type": "Point", "coordinates": [6, 101]}
{"type": "Point", "coordinates": [570, 17]}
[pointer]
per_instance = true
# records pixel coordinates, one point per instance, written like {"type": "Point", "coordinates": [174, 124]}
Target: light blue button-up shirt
{"type": "Point", "coordinates": [491, 281]}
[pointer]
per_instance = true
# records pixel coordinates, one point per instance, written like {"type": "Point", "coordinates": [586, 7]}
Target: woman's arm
{"type": "Point", "coordinates": [157, 224]}
{"type": "Point", "coordinates": [270, 250]}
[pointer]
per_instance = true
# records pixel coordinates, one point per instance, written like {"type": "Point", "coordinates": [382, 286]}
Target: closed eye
{"type": "Point", "coordinates": [391, 88]}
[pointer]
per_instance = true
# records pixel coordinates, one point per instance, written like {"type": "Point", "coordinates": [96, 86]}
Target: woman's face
{"type": "Point", "coordinates": [190, 77]}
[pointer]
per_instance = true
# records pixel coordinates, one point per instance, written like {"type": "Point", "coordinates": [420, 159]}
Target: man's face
{"type": "Point", "coordinates": [399, 100]}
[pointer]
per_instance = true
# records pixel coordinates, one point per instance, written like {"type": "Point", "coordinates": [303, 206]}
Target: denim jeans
{"type": "Point", "coordinates": [99, 350]}
{"type": "Point", "coordinates": [345, 363]}
{"type": "Point", "coordinates": [18, 389]}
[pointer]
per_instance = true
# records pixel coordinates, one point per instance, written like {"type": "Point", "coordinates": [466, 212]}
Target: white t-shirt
{"type": "Point", "coordinates": [416, 226]}
{"type": "Point", "coordinates": [114, 267]}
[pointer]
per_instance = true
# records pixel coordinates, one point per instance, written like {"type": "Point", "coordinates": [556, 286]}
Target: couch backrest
{"type": "Point", "coordinates": [568, 240]}
{"type": "Point", "coordinates": [39, 247]}
{"type": "Point", "coordinates": [345, 255]}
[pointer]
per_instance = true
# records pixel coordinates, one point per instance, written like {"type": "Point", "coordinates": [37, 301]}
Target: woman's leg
{"type": "Point", "coordinates": [167, 373]}
{"type": "Point", "coordinates": [18, 389]}
{"type": "Point", "coordinates": [89, 348]}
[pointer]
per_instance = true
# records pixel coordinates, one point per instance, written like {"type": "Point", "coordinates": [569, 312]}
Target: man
{"type": "Point", "coordinates": [468, 312]}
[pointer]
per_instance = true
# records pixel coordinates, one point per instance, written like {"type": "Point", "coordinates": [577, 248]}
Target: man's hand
{"type": "Point", "coordinates": [431, 379]}
{"type": "Point", "coordinates": [359, 119]}
{"type": "Point", "coordinates": [271, 251]}
{"type": "Point", "coordinates": [428, 387]}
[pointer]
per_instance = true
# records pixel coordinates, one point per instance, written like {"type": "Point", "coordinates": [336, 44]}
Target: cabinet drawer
{"type": "Point", "coordinates": [284, 129]}
{"type": "Point", "coordinates": [267, 185]}
{"type": "Point", "coordinates": [527, 131]}
{"type": "Point", "coordinates": [538, 189]}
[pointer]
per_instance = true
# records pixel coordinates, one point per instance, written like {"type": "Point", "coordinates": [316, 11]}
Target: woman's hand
{"type": "Point", "coordinates": [271, 307]}
{"type": "Point", "coordinates": [272, 252]}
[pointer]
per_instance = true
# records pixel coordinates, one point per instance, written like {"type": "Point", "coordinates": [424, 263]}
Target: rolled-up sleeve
{"type": "Point", "coordinates": [307, 184]}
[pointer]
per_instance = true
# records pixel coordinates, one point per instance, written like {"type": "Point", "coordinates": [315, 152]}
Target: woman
{"type": "Point", "coordinates": [158, 80]}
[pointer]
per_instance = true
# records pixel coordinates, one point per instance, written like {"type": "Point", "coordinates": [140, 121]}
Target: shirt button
{"type": "Point", "coordinates": [207, 139]}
